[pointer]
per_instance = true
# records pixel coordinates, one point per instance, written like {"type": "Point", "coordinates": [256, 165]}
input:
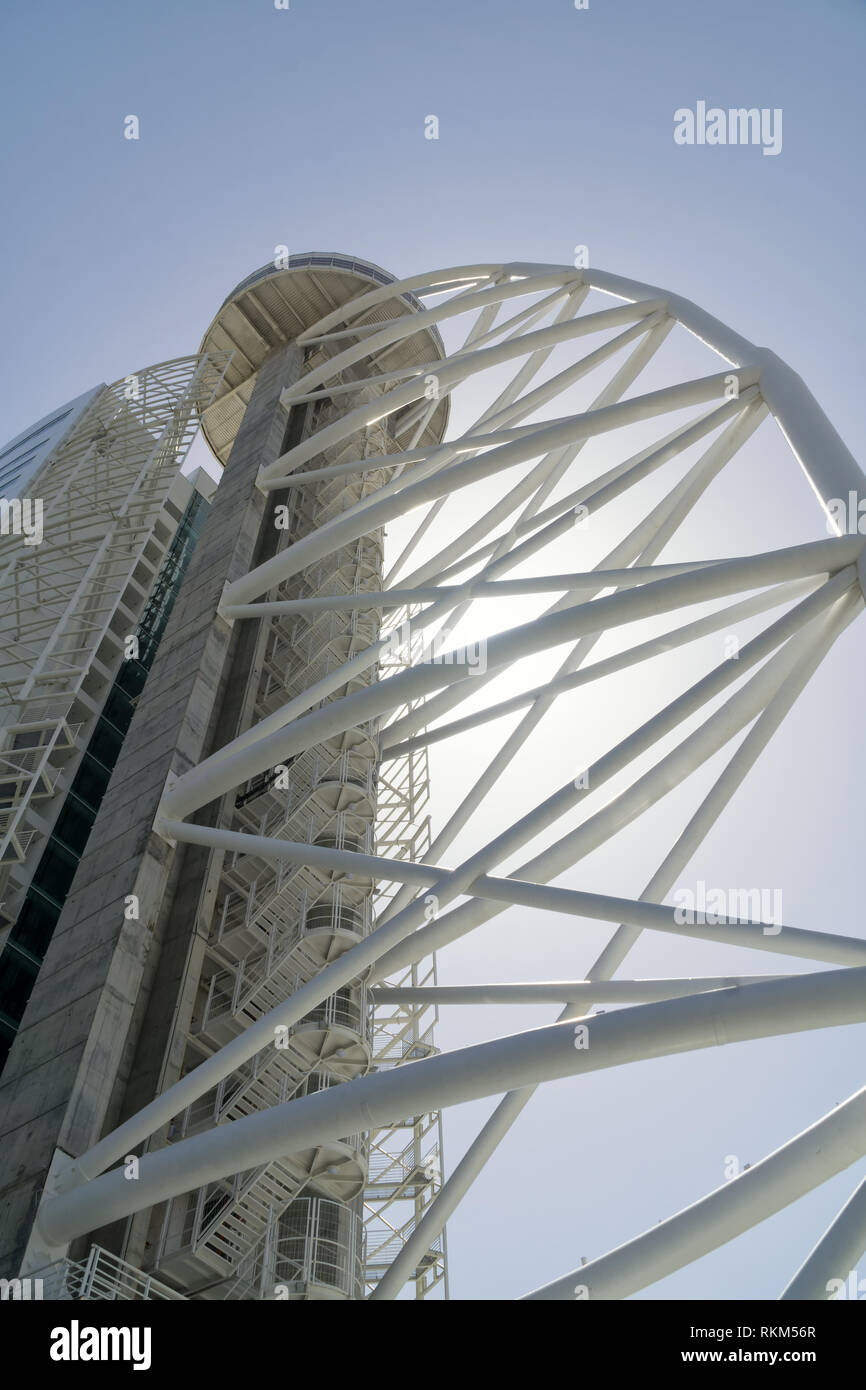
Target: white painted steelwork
{"type": "Point", "coordinates": [69, 602]}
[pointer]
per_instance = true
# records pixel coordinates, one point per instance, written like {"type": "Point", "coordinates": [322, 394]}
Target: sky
{"type": "Point", "coordinates": [305, 127]}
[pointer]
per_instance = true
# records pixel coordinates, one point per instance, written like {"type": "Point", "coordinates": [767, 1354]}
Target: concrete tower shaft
{"type": "Point", "coordinates": [297, 1223]}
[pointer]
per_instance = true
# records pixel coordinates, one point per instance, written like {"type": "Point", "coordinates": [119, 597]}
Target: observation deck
{"type": "Point", "coordinates": [273, 305]}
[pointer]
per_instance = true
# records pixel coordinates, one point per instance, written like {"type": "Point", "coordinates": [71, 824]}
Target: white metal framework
{"type": "Point", "coordinates": [526, 333]}
{"type": "Point", "coordinates": [69, 601]}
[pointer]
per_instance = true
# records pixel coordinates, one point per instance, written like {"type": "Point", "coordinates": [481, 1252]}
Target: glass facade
{"type": "Point", "coordinates": [28, 939]}
{"type": "Point", "coordinates": [22, 458]}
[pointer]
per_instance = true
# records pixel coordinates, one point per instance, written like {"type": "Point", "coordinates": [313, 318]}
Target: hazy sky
{"type": "Point", "coordinates": [305, 127]}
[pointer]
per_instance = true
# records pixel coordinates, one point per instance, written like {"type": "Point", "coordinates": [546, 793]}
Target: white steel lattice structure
{"type": "Point", "coordinates": [529, 443]}
{"type": "Point", "coordinates": [68, 602]}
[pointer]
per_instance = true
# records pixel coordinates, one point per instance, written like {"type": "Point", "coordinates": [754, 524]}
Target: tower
{"type": "Point", "coordinates": [307, 1225]}
{"type": "Point", "coordinates": [279, 674]}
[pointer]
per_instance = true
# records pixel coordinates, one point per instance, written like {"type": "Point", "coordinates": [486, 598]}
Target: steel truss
{"type": "Point", "coordinates": [527, 319]}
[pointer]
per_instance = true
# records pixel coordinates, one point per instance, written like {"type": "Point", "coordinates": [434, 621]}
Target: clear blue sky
{"type": "Point", "coordinates": [306, 127]}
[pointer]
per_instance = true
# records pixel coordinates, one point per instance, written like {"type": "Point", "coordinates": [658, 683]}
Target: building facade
{"type": "Point", "coordinates": [84, 606]}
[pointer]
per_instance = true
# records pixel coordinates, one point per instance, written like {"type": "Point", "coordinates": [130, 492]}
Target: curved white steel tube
{"type": "Point", "coordinates": [795, 1004]}
{"type": "Point", "coordinates": [826, 1148]}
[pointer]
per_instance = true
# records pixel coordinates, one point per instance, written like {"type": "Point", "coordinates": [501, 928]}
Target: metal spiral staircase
{"type": "Point", "coordinates": [276, 927]}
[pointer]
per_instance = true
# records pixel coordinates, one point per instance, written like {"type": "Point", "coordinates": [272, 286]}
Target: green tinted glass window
{"type": "Point", "coordinates": [36, 922]}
